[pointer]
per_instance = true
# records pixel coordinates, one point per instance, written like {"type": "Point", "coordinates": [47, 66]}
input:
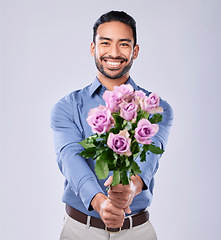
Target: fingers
{"type": "Point", "coordinates": [120, 188]}
{"type": "Point", "coordinates": [112, 220]}
{"type": "Point", "coordinates": [120, 202]}
{"type": "Point", "coordinates": [121, 196]}
{"type": "Point", "coordinates": [108, 181]}
{"type": "Point", "coordinates": [127, 210]}
{"type": "Point", "coordinates": [112, 216]}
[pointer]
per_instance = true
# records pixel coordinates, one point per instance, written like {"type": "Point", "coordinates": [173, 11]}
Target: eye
{"type": "Point", "coordinates": [124, 44]}
{"type": "Point", "coordinates": [105, 43]}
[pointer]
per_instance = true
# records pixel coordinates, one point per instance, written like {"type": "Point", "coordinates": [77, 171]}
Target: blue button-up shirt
{"type": "Point", "coordinates": [68, 121]}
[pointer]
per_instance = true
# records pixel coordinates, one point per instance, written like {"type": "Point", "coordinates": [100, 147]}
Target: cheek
{"type": "Point", "coordinates": [99, 52]}
{"type": "Point", "coordinates": [130, 55]}
{"type": "Point", "coordinates": [96, 53]}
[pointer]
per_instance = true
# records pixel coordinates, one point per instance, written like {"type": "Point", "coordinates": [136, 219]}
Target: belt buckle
{"type": "Point", "coordinates": [106, 229]}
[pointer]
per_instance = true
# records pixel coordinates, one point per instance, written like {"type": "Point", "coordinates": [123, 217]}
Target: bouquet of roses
{"type": "Point", "coordinates": [123, 129]}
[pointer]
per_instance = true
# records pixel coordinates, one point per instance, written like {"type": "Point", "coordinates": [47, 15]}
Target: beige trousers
{"type": "Point", "coordinates": [74, 230]}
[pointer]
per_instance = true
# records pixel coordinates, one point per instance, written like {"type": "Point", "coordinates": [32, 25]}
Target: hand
{"type": "Point", "coordinates": [112, 216]}
{"type": "Point", "coordinates": [121, 196]}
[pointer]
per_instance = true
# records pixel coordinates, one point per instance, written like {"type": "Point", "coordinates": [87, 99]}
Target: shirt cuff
{"type": "Point", "coordinates": [146, 177]}
{"type": "Point", "coordinates": [88, 190]}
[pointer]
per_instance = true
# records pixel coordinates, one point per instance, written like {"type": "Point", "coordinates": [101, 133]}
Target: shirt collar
{"type": "Point", "coordinates": [132, 83]}
{"type": "Point", "coordinates": [97, 84]}
{"type": "Point", "coordinates": [94, 86]}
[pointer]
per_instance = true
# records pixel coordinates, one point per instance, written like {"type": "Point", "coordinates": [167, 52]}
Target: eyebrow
{"type": "Point", "coordinates": [121, 40]}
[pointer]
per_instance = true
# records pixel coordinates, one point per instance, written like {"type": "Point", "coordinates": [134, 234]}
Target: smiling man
{"type": "Point", "coordinates": [114, 50]}
{"type": "Point", "coordinates": [91, 211]}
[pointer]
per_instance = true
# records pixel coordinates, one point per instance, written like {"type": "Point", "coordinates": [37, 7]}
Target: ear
{"type": "Point", "coordinates": [136, 51]}
{"type": "Point", "coordinates": [92, 49]}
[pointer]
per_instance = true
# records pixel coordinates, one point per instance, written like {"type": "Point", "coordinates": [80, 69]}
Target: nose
{"type": "Point", "coordinates": [114, 51]}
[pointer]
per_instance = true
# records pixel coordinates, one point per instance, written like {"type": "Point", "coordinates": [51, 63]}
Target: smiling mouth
{"type": "Point", "coordinates": [113, 65]}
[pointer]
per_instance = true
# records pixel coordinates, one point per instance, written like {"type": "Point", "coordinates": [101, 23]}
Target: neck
{"type": "Point", "coordinates": [110, 83]}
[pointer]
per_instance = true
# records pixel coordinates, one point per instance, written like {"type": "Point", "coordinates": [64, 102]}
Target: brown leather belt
{"type": "Point", "coordinates": [137, 219]}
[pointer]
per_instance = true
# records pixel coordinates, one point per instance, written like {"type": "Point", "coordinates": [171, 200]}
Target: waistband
{"type": "Point", "coordinates": [129, 222]}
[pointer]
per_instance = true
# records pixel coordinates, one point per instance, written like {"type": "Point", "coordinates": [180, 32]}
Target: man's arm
{"type": "Point", "coordinates": [150, 166]}
{"type": "Point", "coordinates": [67, 136]}
{"type": "Point", "coordinates": [75, 168]}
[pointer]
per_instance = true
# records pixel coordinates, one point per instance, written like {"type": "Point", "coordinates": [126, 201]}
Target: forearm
{"type": "Point", "coordinates": [97, 201]}
{"type": "Point", "coordinates": [67, 135]}
{"type": "Point", "coordinates": [80, 177]}
{"type": "Point", "coordinates": [138, 183]}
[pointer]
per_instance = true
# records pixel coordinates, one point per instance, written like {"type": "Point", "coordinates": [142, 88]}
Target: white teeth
{"type": "Point", "coordinates": [114, 63]}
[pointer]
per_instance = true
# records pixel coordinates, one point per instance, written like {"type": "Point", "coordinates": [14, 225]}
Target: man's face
{"type": "Point", "coordinates": [113, 50]}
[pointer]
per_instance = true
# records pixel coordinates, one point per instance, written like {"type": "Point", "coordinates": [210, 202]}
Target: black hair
{"type": "Point", "coordinates": [116, 16]}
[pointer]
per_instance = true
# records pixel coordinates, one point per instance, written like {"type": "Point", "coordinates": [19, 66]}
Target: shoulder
{"type": "Point", "coordinates": [68, 104]}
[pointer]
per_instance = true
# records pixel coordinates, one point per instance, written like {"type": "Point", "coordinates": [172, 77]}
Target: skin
{"type": "Point", "coordinates": [114, 43]}
{"type": "Point", "coordinates": [121, 196]}
{"type": "Point", "coordinates": [114, 52]}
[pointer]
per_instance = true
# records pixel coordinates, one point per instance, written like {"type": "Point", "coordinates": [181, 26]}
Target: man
{"type": "Point", "coordinates": [92, 213]}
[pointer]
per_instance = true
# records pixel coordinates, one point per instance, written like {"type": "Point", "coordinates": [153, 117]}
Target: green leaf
{"type": "Point", "coordinates": [85, 144]}
{"type": "Point", "coordinates": [127, 162]}
{"type": "Point", "coordinates": [101, 169]}
{"type": "Point", "coordinates": [155, 149]}
{"type": "Point", "coordinates": [116, 178]}
{"type": "Point", "coordinates": [143, 156]}
{"type": "Point", "coordinates": [123, 177]}
{"type": "Point", "coordinates": [106, 154]}
{"type": "Point", "coordinates": [108, 157]}
{"type": "Point", "coordinates": [135, 155]}
{"type": "Point", "coordinates": [142, 114]}
{"type": "Point", "coordinates": [135, 168]}
{"type": "Point", "coordinates": [90, 141]}
{"type": "Point", "coordinates": [156, 118]}
{"type": "Point", "coordinates": [145, 115]}
{"type": "Point", "coordinates": [89, 152]}
{"type": "Point", "coordinates": [146, 147]}
{"type": "Point", "coordinates": [127, 125]}
{"type": "Point", "coordinates": [114, 130]}
{"type": "Point", "coordinates": [118, 121]}
{"type": "Point", "coordinates": [112, 161]}
{"type": "Point", "coordinates": [135, 147]}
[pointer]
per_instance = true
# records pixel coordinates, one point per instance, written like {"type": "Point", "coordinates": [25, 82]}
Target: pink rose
{"type": "Point", "coordinates": [120, 143]}
{"type": "Point", "coordinates": [128, 111]}
{"type": "Point", "coordinates": [154, 100]}
{"type": "Point", "coordinates": [145, 130]}
{"type": "Point", "coordinates": [100, 119]}
{"type": "Point", "coordinates": [126, 90]}
{"type": "Point", "coordinates": [139, 97]}
{"type": "Point", "coordinates": [112, 99]}
{"type": "Point", "coordinates": [151, 104]}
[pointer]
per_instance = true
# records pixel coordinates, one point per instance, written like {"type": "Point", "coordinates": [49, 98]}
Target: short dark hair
{"type": "Point", "coordinates": [116, 16]}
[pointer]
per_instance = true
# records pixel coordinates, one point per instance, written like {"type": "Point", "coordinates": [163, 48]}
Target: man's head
{"type": "Point", "coordinates": [114, 46]}
{"type": "Point", "coordinates": [116, 16]}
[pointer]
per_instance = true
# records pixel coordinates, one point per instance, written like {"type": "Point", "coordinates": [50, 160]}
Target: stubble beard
{"type": "Point", "coordinates": [100, 68]}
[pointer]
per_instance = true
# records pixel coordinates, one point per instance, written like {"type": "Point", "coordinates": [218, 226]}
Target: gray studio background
{"type": "Point", "coordinates": [45, 55]}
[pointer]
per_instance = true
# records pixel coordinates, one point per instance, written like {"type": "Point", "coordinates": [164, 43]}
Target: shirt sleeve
{"type": "Point", "coordinates": [150, 166]}
{"type": "Point", "coordinates": [67, 136]}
